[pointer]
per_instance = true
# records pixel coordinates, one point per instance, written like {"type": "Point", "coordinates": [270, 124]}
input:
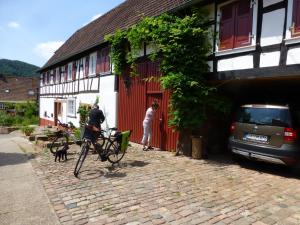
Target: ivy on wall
{"type": "Point", "coordinates": [181, 45]}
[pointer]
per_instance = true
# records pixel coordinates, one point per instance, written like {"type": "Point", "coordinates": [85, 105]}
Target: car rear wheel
{"type": "Point", "coordinates": [296, 169]}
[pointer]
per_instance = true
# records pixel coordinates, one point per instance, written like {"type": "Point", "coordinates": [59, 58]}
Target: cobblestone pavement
{"type": "Point", "coordinates": [158, 188]}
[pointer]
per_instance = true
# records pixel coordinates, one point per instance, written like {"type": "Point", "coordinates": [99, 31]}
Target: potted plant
{"type": "Point", "coordinates": [27, 130]}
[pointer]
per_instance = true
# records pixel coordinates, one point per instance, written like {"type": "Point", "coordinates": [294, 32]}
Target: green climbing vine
{"type": "Point", "coordinates": [181, 45]}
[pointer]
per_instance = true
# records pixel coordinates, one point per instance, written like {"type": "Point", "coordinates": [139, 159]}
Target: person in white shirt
{"type": "Point", "coordinates": [147, 122]}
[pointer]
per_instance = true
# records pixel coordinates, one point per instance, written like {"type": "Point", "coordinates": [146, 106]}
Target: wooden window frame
{"type": "Point", "coordinates": [104, 61]}
{"type": "Point", "coordinates": [71, 113]}
{"type": "Point", "coordinates": [92, 64]}
{"type": "Point", "coordinates": [62, 74]}
{"type": "Point", "coordinates": [57, 79]}
{"type": "Point", "coordinates": [235, 44]}
{"type": "Point", "coordinates": [69, 72]}
{"type": "Point", "coordinates": [294, 15]}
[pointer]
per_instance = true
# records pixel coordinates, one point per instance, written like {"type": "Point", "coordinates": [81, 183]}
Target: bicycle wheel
{"type": "Point", "coordinates": [58, 143]}
{"type": "Point", "coordinates": [114, 153]}
{"type": "Point", "coordinates": [84, 151]}
{"type": "Point", "coordinates": [101, 140]}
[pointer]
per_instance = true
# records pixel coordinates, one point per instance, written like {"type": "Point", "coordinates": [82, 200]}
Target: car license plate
{"type": "Point", "coordinates": [255, 137]}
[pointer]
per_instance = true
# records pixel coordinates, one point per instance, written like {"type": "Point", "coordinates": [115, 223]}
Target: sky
{"type": "Point", "coordinates": [32, 30]}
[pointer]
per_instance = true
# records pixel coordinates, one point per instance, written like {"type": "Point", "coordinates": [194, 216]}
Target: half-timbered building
{"type": "Point", "coordinates": [255, 57]}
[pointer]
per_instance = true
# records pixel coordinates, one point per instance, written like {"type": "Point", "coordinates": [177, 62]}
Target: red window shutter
{"type": "Point", "coordinates": [227, 26]}
{"type": "Point", "coordinates": [296, 18]}
{"type": "Point", "coordinates": [98, 62]}
{"type": "Point", "coordinates": [243, 24]}
{"type": "Point", "coordinates": [74, 71]}
{"type": "Point", "coordinates": [54, 76]}
{"type": "Point", "coordinates": [103, 60]}
{"type": "Point", "coordinates": [59, 75]}
{"type": "Point", "coordinates": [102, 68]}
{"type": "Point", "coordinates": [106, 60]}
{"type": "Point", "coordinates": [66, 72]}
{"type": "Point", "coordinates": [86, 69]}
{"type": "Point", "coordinates": [48, 77]}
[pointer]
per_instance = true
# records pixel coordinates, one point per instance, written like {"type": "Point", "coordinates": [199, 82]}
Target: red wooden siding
{"type": "Point", "coordinates": [235, 25]}
{"type": "Point", "coordinates": [296, 18]}
{"type": "Point", "coordinates": [135, 97]}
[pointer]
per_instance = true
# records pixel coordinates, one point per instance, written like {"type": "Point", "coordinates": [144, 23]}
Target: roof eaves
{"type": "Point", "coordinates": [185, 5]}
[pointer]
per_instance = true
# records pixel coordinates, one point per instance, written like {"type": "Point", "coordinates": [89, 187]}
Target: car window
{"type": "Point", "coordinates": [264, 116]}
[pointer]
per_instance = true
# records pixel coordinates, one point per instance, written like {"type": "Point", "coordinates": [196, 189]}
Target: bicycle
{"type": "Point", "coordinates": [111, 147]}
{"type": "Point", "coordinates": [62, 138]}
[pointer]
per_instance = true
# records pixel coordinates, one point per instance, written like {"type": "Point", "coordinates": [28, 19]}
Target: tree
{"type": "Point", "coordinates": [181, 45]}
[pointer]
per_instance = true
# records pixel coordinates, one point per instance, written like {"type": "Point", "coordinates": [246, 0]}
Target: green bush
{"type": "Point", "coordinates": [6, 119]}
{"type": "Point", "coordinates": [77, 133]}
{"type": "Point", "coordinates": [20, 114]}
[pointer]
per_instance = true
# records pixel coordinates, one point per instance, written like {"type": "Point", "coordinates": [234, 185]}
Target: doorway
{"type": "Point", "coordinates": [158, 120]}
{"type": "Point", "coordinates": [57, 112]}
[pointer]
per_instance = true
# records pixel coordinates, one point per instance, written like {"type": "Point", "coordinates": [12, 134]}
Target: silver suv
{"type": "Point", "coordinates": [267, 132]}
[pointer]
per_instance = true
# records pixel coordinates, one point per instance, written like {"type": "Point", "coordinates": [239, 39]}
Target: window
{"type": "Point", "coordinates": [296, 19]}
{"type": "Point", "coordinates": [92, 64]}
{"type": "Point", "coordinates": [31, 92]}
{"type": "Point", "coordinates": [2, 105]}
{"type": "Point", "coordinates": [57, 79]}
{"type": "Point", "coordinates": [48, 77]}
{"type": "Point", "coordinates": [104, 61]}
{"type": "Point", "coordinates": [81, 67]}
{"type": "Point", "coordinates": [42, 81]}
{"type": "Point", "coordinates": [70, 65]}
{"type": "Point", "coordinates": [71, 107]}
{"type": "Point", "coordinates": [62, 73]}
{"type": "Point", "coordinates": [235, 25]}
{"type": "Point", "coordinates": [264, 116]}
{"type": "Point", "coordinates": [51, 77]}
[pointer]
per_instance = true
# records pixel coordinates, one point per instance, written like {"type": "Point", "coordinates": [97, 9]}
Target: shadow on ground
{"type": "Point", "coordinates": [12, 158]}
{"type": "Point", "coordinates": [264, 167]}
{"type": "Point", "coordinates": [111, 171]}
{"type": "Point", "coordinates": [224, 160]}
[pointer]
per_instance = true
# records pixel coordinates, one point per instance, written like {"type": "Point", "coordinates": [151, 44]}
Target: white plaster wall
{"type": "Point", "coordinates": [269, 59]}
{"type": "Point", "coordinates": [85, 98]}
{"type": "Point", "coordinates": [270, 2]}
{"type": "Point", "coordinates": [108, 101]}
{"type": "Point", "coordinates": [46, 104]}
{"type": "Point", "coordinates": [272, 27]}
{"type": "Point", "coordinates": [236, 63]}
{"type": "Point", "coordinates": [293, 56]}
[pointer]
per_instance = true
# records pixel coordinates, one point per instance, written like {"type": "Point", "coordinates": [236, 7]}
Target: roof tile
{"type": "Point", "coordinates": [122, 16]}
